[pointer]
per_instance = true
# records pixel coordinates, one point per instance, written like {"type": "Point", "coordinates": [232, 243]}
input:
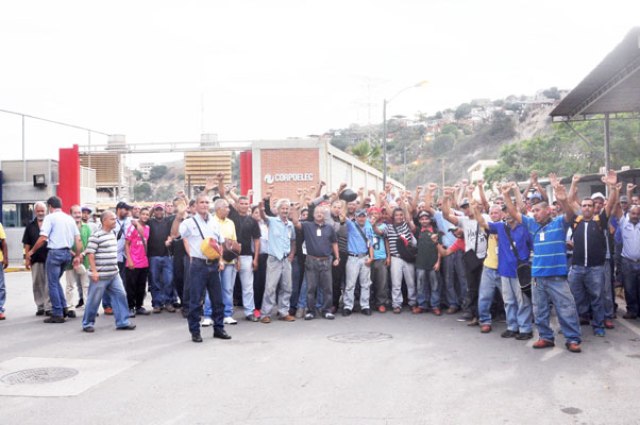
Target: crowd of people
{"type": "Point", "coordinates": [449, 250]}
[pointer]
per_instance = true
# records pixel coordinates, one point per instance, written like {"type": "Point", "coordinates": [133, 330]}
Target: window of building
{"type": "Point", "coordinates": [16, 215]}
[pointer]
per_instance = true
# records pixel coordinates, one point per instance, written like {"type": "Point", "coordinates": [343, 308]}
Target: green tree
{"type": "Point", "coordinates": [462, 111]}
{"type": "Point", "coordinates": [157, 172]}
{"type": "Point", "coordinates": [142, 192]}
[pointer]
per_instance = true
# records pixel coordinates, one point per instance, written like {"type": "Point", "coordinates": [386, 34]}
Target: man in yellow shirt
{"type": "Point", "coordinates": [228, 269]}
{"type": "Point", "coordinates": [490, 281]}
{"type": "Point", "coordinates": [4, 257]}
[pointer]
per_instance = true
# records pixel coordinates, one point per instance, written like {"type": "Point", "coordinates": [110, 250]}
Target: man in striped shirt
{"type": "Point", "coordinates": [549, 268]}
{"type": "Point", "coordinates": [102, 250]}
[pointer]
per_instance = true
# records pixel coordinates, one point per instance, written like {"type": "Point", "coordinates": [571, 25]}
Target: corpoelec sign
{"type": "Point", "coordinates": [288, 177]}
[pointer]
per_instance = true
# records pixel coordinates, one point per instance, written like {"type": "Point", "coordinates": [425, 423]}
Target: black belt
{"type": "Point", "coordinates": [202, 260]}
{"type": "Point", "coordinates": [318, 258]}
{"type": "Point", "coordinates": [59, 249]}
{"type": "Point", "coordinates": [357, 255]}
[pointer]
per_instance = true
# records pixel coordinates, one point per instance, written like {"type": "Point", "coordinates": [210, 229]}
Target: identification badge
{"type": "Point", "coordinates": [318, 232]}
{"type": "Point", "coordinates": [542, 237]}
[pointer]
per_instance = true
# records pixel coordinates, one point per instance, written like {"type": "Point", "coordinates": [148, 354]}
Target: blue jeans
{"type": "Point", "coordinates": [3, 290]}
{"type": "Point", "coordinates": [204, 277]}
{"type": "Point", "coordinates": [631, 281]}
{"type": "Point", "coordinates": [161, 280]}
{"type": "Point", "coordinates": [297, 274]}
{"type": "Point", "coordinates": [607, 292]}
{"type": "Point", "coordinates": [112, 286]}
{"type": "Point", "coordinates": [517, 306]}
{"type": "Point", "coordinates": [555, 289]}
{"type": "Point", "coordinates": [489, 282]}
{"type": "Point", "coordinates": [227, 280]}
{"type": "Point", "coordinates": [57, 261]}
{"type": "Point", "coordinates": [428, 288]}
{"type": "Point", "coordinates": [122, 270]}
{"type": "Point", "coordinates": [587, 284]}
{"type": "Point", "coordinates": [454, 269]}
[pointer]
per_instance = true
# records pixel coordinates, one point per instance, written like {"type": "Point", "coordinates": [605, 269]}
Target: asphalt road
{"type": "Point", "coordinates": [383, 369]}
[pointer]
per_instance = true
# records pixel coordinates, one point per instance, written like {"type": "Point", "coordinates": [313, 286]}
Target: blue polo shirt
{"type": "Point", "coordinates": [507, 262]}
{"type": "Point", "coordinates": [355, 242]}
{"type": "Point", "coordinates": [280, 236]}
{"type": "Point", "coordinates": [448, 238]}
{"type": "Point", "coordinates": [549, 246]}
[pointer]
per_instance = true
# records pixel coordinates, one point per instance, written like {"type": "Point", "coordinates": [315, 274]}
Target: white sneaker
{"type": "Point", "coordinates": [206, 321]}
{"type": "Point", "coordinates": [230, 321]}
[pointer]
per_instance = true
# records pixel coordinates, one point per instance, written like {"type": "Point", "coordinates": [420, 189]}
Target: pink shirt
{"type": "Point", "coordinates": [137, 251]}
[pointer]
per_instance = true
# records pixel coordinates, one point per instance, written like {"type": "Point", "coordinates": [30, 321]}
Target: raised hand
{"type": "Point", "coordinates": [553, 180]}
{"type": "Point", "coordinates": [533, 176]}
{"type": "Point", "coordinates": [611, 178]}
{"type": "Point", "coordinates": [210, 183]}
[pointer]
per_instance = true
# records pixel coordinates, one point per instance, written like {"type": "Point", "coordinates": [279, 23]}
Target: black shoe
{"type": "Point", "coordinates": [40, 313]}
{"type": "Point", "coordinates": [142, 311]}
{"type": "Point", "coordinates": [71, 314]}
{"type": "Point", "coordinates": [129, 327]}
{"type": "Point", "coordinates": [47, 313]}
{"type": "Point", "coordinates": [88, 329]}
{"type": "Point", "coordinates": [196, 338]}
{"type": "Point", "coordinates": [54, 319]}
{"type": "Point", "coordinates": [465, 317]}
{"type": "Point", "coordinates": [366, 311]}
{"type": "Point", "coordinates": [346, 312]}
{"type": "Point", "coordinates": [523, 336]}
{"type": "Point", "coordinates": [80, 304]}
{"type": "Point", "coordinates": [509, 334]}
{"type": "Point", "coordinates": [132, 313]}
{"type": "Point", "coordinates": [177, 305]}
{"type": "Point", "coordinates": [221, 333]}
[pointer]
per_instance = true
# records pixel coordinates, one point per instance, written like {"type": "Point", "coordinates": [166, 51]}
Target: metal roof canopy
{"type": "Point", "coordinates": [612, 87]}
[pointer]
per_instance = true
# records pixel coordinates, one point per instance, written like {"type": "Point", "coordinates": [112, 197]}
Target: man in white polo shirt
{"type": "Point", "coordinates": [60, 233]}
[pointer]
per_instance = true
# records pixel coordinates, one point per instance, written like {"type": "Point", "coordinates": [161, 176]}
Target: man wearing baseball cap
{"type": "Point", "coordinates": [160, 261]}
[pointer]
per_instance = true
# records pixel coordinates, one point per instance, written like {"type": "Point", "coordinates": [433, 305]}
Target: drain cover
{"type": "Point", "coordinates": [359, 337]}
{"type": "Point", "coordinates": [41, 375]}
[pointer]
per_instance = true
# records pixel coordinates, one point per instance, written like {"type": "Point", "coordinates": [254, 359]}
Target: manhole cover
{"type": "Point", "coordinates": [359, 337]}
{"type": "Point", "coordinates": [41, 375]}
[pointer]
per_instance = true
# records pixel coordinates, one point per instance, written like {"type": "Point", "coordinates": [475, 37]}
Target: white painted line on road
{"type": "Point", "coordinates": [628, 325]}
{"type": "Point", "coordinates": [55, 377]}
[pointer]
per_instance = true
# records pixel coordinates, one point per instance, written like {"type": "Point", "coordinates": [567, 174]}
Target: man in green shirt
{"type": "Point", "coordinates": [77, 278]}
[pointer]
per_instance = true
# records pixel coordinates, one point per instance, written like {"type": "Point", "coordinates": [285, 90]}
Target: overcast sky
{"type": "Point", "coordinates": [159, 71]}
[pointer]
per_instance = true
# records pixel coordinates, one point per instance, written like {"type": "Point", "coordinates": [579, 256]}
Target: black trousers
{"type": "Point", "coordinates": [259, 279]}
{"type": "Point", "coordinates": [136, 285]}
{"type": "Point", "coordinates": [338, 276]}
{"type": "Point", "coordinates": [473, 282]}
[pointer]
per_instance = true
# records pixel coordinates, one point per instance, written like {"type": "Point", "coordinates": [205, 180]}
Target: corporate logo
{"type": "Point", "coordinates": [288, 177]}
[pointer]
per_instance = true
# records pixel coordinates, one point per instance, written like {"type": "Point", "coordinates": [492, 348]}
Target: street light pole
{"type": "Point", "coordinates": [384, 132]}
{"type": "Point", "coordinates": [384, 143]}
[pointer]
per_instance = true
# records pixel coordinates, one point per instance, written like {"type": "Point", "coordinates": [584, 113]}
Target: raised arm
{"type": "Point", "coordinates": [483, 197]}
{"type": "Point", "coordinates": [428, 198]}
{"type": "Point", "coordinates": [181, 214]}
{"type": "Point", "coordinates": [446, 208]}
{"type": "Point", "coordinates": [611, 180]}
{"type": "Point", "coordinates": [560, 193]}
{"type": "Point", "coordinates": [511, 209]}
{"type": "Point", "coordinates": [476, 208]}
